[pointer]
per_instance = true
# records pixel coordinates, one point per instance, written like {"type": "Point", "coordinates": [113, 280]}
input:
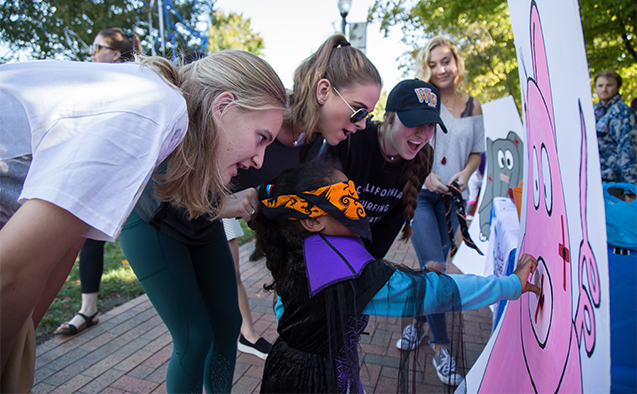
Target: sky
{"type": "Point", "coordinates": [293, 29]}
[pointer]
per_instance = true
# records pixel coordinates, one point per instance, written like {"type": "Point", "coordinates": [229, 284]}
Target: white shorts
{"type": "Point", "coordinates": [233, 228]}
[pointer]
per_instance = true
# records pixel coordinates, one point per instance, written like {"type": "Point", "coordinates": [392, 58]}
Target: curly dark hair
{"type": "Point", "coordinates": [281, 240]}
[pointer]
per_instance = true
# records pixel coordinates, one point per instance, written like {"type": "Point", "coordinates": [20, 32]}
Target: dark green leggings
{"type": "Point", "coordinates": [194, 290]}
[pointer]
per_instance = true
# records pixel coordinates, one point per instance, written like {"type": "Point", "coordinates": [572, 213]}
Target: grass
{"type": "Point", "coordinates": [118, 286]}
{"type": "Point", "coordinates": [248, 233]}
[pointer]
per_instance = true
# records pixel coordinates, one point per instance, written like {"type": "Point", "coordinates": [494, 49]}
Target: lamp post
{"type": "Point", "coordinates": [343, 8]}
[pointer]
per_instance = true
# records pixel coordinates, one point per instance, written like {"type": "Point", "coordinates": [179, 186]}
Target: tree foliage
{"type": "Point", "coordinates": [484, 36]}
{"type": "Point", "coordinates": [610, 33]}
{"type": "Point", "coordinates": [64, 28]}
{"type": "Point", "coordinates": [233, 32]}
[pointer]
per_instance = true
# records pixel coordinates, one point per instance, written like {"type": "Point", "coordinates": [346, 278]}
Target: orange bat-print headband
{"type": "Point", "coordinates": [339, 200]}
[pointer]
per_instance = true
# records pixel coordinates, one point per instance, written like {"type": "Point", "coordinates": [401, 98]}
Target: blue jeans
{"type": "Point", "coordinates": [431, 242]}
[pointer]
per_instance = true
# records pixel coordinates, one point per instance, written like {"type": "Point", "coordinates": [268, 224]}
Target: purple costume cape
{"type": "Point", "coordinates": [330, 260]}
{"type": "Point", "coordinates": [324, 293]}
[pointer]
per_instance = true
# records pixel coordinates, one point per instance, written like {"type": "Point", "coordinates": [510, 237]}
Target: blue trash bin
{"type": "Point", "coordinates": [622, 277]}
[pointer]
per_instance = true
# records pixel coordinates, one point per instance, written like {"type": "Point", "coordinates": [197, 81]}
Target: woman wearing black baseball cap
{"type": "Point", "coordinates": [456, 157]}
{"type": "Point", "coordinates": [389, 161]}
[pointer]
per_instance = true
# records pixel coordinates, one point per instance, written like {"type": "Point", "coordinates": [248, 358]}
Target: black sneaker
{"type": "Point", "coordinates": [259, 349]}
{"type": "Point", "coordinates": [254, 256]}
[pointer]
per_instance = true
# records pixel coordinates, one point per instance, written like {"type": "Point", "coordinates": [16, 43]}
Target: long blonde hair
{"type": "Point", "coordinates": [338, 62]}
{"type": "Point", "coordinates": [423, 72]}
{"type": "Point", "coordinates": [193, 180]}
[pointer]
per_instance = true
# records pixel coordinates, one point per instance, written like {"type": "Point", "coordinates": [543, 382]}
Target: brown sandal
{"type": "Point", "coordinates": [71, 329]}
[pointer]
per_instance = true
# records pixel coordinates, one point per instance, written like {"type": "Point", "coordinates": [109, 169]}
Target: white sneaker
{"type": "Point", "coordinates": [411, 338]}
{"type": "Point", "coordinates": [446, 368]}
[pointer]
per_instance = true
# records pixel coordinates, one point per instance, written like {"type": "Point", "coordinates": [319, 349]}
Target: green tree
{"type": "Point", "coordinates": [64, 28]}
{"type": "Point", "coordinates": [233, 32]}
{"type": "Point", "coordinates": [610, 34]}
{"type": "Point", "coordinates": [484, 36]}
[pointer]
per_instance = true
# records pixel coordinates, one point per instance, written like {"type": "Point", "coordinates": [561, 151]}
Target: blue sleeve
{"type": "Point", "coordinates": [278, 308]}
{"type": "Point", "coordinates": [475, 292]}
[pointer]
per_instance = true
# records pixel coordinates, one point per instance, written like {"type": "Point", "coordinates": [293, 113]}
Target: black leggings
{"type": "Point", "coordinates": [91, 265]}
{"type": "Point", "coordinates": [194, 290]}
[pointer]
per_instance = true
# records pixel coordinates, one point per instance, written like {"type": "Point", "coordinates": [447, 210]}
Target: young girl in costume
{"type": "Point", "coordinates": [334, 90]}
{"type": "Point", "coordinates": [81, 142]}
{"type": "Point", "coordinates": [456, 157]}
{"type": "Point", "coordinates": [309, 229]}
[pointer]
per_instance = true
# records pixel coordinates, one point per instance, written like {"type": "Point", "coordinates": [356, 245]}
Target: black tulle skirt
{"type": "Point", "coordinates": [289, 370]}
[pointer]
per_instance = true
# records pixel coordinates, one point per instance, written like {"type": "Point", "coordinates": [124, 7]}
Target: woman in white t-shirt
{"type": "Point", "coordinates": [91, 136]}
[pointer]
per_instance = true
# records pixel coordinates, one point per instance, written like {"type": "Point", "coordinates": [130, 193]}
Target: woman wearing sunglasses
{"type": "Point", "coordinates": [335, 89]}
{"type": "Point", "coordinates": [114, 45]}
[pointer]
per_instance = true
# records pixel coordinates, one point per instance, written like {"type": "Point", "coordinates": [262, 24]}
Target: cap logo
{"type": "Point", "coordinates": [427, 95]}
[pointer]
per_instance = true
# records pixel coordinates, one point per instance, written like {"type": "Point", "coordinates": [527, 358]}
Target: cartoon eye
{"type": "Point", "coordinates": [508, 159]}
{"type": "Point", "coordinates": [546, 177]}
{"type": "Point", "coordinates": [536, 180]}
{"type": "Point", "coordinates": [500, 158]}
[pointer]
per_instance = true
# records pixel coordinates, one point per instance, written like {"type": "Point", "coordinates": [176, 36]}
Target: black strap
{"type": "Point", "coordinates": [456, 199]}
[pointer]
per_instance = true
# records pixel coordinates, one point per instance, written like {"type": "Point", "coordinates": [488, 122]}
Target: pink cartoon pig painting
{"type": "Point", "coordinates": [537, 348]}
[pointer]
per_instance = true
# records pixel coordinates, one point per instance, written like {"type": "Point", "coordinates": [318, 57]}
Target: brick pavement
{"type": "Point", "coordinates": [128, 351]}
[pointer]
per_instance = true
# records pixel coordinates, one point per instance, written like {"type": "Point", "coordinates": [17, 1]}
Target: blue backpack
{"type": "Point", "coordinates": [621, 215]}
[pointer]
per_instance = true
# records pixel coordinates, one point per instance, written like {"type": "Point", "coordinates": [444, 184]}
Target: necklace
{"type": "Point", "coordinates": [297, 141]}
{"type": "Point", "coordinates": [450, 108]}
{"type": "Point", "coordinates": [443, 161]}
{"type": "Point", "coordinates": [383, 149]}
{"type": "Point", "coordinates": [300, 140]}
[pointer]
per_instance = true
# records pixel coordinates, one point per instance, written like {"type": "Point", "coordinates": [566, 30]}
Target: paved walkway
{"type": "Point", "coordinates": [128, 351]}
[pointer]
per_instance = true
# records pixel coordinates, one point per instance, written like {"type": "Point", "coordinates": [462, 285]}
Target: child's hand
{"type": "Point", "coordinates": [527, 265]}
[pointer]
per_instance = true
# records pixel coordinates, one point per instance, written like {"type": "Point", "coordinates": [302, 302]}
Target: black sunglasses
{"type": "Point", "coordinates": [358, 114]}
{"type": "Point", "coordinates": [95, 48]}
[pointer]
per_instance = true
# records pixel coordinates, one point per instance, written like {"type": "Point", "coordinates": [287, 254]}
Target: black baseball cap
{"type": "Point", "coordinates": [416, 103]}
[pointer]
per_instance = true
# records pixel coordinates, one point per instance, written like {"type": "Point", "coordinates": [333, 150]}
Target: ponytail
{"type": "Point", "coordinates": [337, 61]}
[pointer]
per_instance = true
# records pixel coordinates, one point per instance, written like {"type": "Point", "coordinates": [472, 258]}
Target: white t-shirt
{"type": "Point", "coordinates": [96, 132]}
{"type": "Point", "coordinates": [465, 136]}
